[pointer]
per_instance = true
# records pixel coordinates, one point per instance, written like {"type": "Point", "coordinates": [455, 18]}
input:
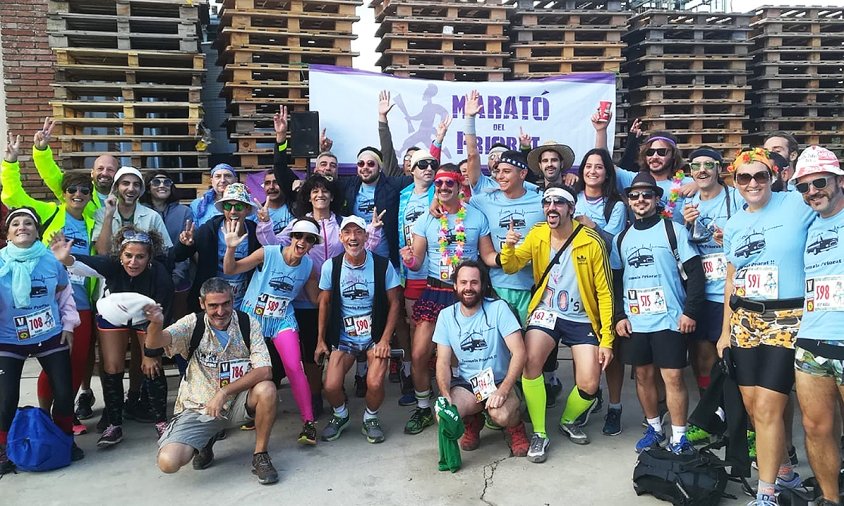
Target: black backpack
{"type": "Point", "coordinates": [688, 480]}
{"type": "Point", "coordinates": [199, 331]}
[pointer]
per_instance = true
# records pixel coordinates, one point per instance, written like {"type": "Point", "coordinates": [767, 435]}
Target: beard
{"type": "Point", "coordinates": [469, 299]}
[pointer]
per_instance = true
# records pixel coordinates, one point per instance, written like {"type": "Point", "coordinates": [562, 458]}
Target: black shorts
{"type": "Point", "coordinates": [665, 349]}
{"type": "Point", "coordinates": [710, 322]}
{"type": "Point", "coordinates": [569, 333]}
{"type": "Point", "coordinates": [765, 366]}
{"type": "Point", "coordinates": [460, 382]}
{"type": "Point", "coordinates": [308, 320]}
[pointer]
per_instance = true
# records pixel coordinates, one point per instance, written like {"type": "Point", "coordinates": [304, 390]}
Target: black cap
{"type": "Point", "coordinates": [515, 158]}
{"type": "Point", "coordinates": [644, 179]}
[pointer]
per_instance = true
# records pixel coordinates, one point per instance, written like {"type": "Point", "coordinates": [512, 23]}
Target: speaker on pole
{"type": "Point", "coordinates": [304, 134]}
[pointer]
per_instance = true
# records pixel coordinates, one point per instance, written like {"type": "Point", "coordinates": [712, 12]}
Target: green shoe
{"type": "Point", "coordinates": [696, 435]}
{"type": "Point", "coordinates": [421, 418]}
{"type": "Point", "coordinates": [751, 444]}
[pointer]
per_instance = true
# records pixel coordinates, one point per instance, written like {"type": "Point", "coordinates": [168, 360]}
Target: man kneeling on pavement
{"type": "Point", "coordinates": [228, 381]}
{"type": "Point", "coordinates": [486, 338]}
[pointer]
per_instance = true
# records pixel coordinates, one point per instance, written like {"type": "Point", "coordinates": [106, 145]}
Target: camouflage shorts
{"type": "Point", "coordinates": [779, 327]}
{"type": "Point", "coordinates": [807, 362]}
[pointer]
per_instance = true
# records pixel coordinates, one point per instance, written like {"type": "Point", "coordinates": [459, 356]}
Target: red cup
{"type": "Point", "coordinates": [604, 110]}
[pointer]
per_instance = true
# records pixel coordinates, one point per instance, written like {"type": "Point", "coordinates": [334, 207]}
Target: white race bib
{"type": "Point", "coordinates": [825, 293]}
{"type": "Point", "coordinates": [269, 306]}
{"type": "Point", "coordinates": [358, 326]}
{"type": "Point", "coordinates": [76, 279]}
{"type": "Point", "coordinates": [34, 324]}
{"type": "Point", "coordinates": [759, 282]}
{"type": "Point", "coordinates": [646, 301]}
{"type": "Point", "coordinates": [544, 318]}
{"type": "Point", "coordinates": [233, 370]}
{"type": "Point", "coordinates": [483, 384]}
{"type": "Point", "coordinates": [714, 266]}
{"type": "Point", "coordinates": [446, 269]}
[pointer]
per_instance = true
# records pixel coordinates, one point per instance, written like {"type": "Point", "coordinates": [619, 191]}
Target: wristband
{"type": "Point", "coordinates": [153, 353]}
{"type": "Point", "coordinates": [282, 146]}
{"type": "Point", "coordinates": [437, 143]}
{"type": "Point", "coordinates": [411, 263]}
{"type": "Point", "coordinates": [470, 126]}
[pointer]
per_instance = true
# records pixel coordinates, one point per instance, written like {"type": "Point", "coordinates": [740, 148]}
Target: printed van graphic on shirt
{"type": "Point", "coordinates": [366, 206]}
{"type": "Point", "coordinates": [282, 283]}
{"type": "Point", "coordinates": [750, 244]}
{"type": "Point", "coordinates": [354, 287]}
{"type": "Point", "coordinates": [518, 217]}
{"type": "Point", "coordinates": [474, 341]}
{"type": "Point", "coordinates": [640, 257]}
{"type": "Point", "coordinates": [821, 241]}
{"type": "Point", "coordinates": [412, 214]}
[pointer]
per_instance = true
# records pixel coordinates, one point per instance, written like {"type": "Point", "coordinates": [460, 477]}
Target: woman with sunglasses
{"type": "Point", "coordinates": [133, 268]}
{"type": "Point", "coordinates": [37, 317]}
{"type": "Point", "coordinates": [763, 305]}
{"type": "Point", "coordinates": [204, 208]}
{"type": "Point", "coordinates": [319, 198]}
{"type": "Point", "coordinates": [281, 274]}
{"type": "Point", "coordinates": [161, 197]}
{"type": "Point", "coordinates": [75, 218]}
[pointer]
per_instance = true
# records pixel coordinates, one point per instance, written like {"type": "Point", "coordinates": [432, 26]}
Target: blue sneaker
{"type": "Point", "coordinates": [794, 483]}
{"type": "Point", "coordinates": [651, 439]}
{"type": "Point", "coordinates": [407, 399]}
{"type": "Point", "coordinates": [682, 447]}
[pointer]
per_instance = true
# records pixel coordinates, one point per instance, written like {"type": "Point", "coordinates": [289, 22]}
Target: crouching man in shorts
{"type": "Point", "coordinates": [228, 381]}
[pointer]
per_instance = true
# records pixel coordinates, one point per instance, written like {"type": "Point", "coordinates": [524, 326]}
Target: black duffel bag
{"type": "Point", "coordinates": [697, 479]}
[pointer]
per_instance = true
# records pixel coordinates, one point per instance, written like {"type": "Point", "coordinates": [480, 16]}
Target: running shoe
{"type": "Point", "coordinates": [111, 436]}
{"type": "Point", "coordinates": [767, 500]}
{"type": "Point", "coordinates": [407, 400]}
{"type": "Point", "coordinates": [250, 425]}
{"type": "Point", "coordinates": [612, 422]}
{"type": "Point", "coordinates": [682, 447]}
{"type": "Point", "coordinates": [696, 435]}
{"type": "Point", "coordinates": [308, 434]}
{"type": "Point", "coordinates": [471, 439]}
{"type": "Point", "coordinates": [360, 386]}
{"type": "Point", "coordinates": [583, 419]}
{"type": "Point", "coordinates": [794, 483]}
{"type": "Point", "coordinates": [537, 452]}
{"type": "Point", "coordinates": [651, 439]}
{"type": "Point", "coordinates": [160, 428]}
{"type": "Point", "coordinates": [78, 427]}
{"type": "Point", "coordinates": [137, 411]}
{"type": "Point", "coordinates": [574, 432]}
{"type": "Point", "coordinates": [552, 392]}
{"type": "Point", "coordinates": [76, 453]}
{"type": "Point", "coordinates": [517, 440]}
{"type": "Point", "coordinates": [205, 455]}
{"type": "Point", "coordinates": [335, 427]}
{"type": "Point", "coordinates": [372, 430]}
{"type": "Point", "coordinates": [421, 418]}
{"type": "Point", "coordinates": [85, 404]}
{"type": "Point", "coordinates": [263, 468]}
{"type": "Point", "coordinates": [6, 465]}
{"type": "Point", "coordinates": [394, 370]}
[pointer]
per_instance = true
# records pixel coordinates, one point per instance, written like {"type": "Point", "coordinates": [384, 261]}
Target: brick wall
{"type": "Point", "coordinates": [27, 73]}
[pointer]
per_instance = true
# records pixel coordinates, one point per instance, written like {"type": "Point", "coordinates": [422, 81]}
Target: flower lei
{"type": "Point", "coordinates": [674, 194]}
{"type": "Point", "coordinates": [459, 234]}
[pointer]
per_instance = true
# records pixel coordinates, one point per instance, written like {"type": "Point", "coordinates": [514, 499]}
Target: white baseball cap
{"type": "Point", "coordinates": [124, 308]}
{"type": "Point", "coordinates": [356, 220]}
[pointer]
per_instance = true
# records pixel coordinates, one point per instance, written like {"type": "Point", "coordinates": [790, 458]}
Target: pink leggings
{"type": "Point", "coordinates": [287, 344]}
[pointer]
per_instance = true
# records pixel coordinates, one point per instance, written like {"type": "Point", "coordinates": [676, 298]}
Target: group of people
{"type": "Point", "coordinates": [420, 271]}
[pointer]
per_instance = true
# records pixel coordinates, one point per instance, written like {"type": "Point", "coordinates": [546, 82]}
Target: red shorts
{"type": "Point", "coordinates": [413, 288]}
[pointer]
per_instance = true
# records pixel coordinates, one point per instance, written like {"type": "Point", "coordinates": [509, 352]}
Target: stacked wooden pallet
{"type": "Point", "coordinates": [798, 63]}
{"type": "Point", "coordinates": [265, 49]}
{"type": "Point", "coordinates": [688, 74]}
{"type": "Point", "coordinates": [128, 80]}
{"type": "Point", "coordinates": [448, 40]}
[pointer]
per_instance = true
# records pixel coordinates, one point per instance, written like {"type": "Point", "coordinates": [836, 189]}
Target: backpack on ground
{"type": "Point", "coordinates": [688, 480]}
{"type": "Point", "coordinates": [35, 443]}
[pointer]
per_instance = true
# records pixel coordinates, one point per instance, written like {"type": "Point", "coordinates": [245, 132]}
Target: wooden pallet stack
{"type": "Point", "coordinates": [128, 81]}
{"type": "Point", "coordinates": [265, 49]}
{"type": "Point", "coordinates": [798, 64]}
{"type": "Point", "coordinates": [449, 40]}
{"type": "Point", "coordinates": [688, 74]}
{"type": "Point", "coordinates": [553, 37]}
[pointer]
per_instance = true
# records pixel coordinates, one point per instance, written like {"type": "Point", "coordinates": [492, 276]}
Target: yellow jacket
{"type": "Point", "coordinates": [591, 262]}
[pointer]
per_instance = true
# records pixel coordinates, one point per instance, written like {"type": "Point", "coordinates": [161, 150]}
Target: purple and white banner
{"type": "Point", "coordinates": [557, 108]}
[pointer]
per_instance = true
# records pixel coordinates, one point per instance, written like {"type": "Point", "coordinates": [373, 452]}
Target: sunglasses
{"type": "Point", "coordinates": [656, 151]}
{"type": "Point", "coordinates": [557, 201]}
{"type": "Point", "coordinates": [84, 190]}
{"type": "Point", "coordinates": [160, 181]}
{"type": "Point", "coordinates": [646, 194]}
{"type": "Point", "coordinates": [449, 183]}
{"type": "Point", "coordinates": [309, 238]}
{"type": "Point", "coordinates": [707, 166]}
{"type": "Point", "coordinates": [819, 183]}
{"type": "Point", "coordinates": [760, 177]}
{"type": "Point", "coordinates": [237, 206]}
{"type": "Point", "coordinates": [428, 164]}
{"type": "Point", "coordinates": [368, 163]}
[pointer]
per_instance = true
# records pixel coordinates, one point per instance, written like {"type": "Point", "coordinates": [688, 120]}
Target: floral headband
{"type": "Point", "coordinates": [760, 155]}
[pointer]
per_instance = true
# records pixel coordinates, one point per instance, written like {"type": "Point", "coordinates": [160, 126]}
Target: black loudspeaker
{"type": "Point", "coordinates": [304, 134]}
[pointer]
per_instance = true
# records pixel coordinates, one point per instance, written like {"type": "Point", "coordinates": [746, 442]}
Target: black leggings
{"type": "Point", "coordinates": [57, 367]}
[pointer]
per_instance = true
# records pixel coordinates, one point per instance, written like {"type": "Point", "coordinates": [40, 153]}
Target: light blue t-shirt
{"type": "Point", "coordinates": [210, 211]}
{"type": "Point", "coordinates": [823, 310]}
{"type": "Point", "coordinates": [525, 211]}
{"type": "Point", "coordinates": [624, 178]}
{"type": "Point", "coordinates": [478, 340]}
{"type": "Point", "coordinates": [75, 230]}
{"type": "Point", "coordinates": [427, 226]}
{"type": "Point", "coordinates": [41, 320]}
{"type": "Point", "coordinates": [417, 206]}
{"type": "Point", "coordinates": [237, 281]}
{"type": "Point", "coordinates": [486, 184]}
{"type": "Point", "coordinates": [562, 293]}
{"type": "Point", "coordinates": [594, 210]}
{"type": "Point", "coordinates": [272, 288]}
{"type": "Point", "coordinates": [766, 248]}
{"type": "Point", "coordinates": [279, 217]}
{"type": "Point", "coordinates": [653, 291]}
{"type": "Point", "coordinates": [357, 295]}
{"type": "Point", "coordinates": [222, 336]}
{"type": "Point", "coordinates": [714, 213]}
{"type": "Point", "coordinates": [364, 207]}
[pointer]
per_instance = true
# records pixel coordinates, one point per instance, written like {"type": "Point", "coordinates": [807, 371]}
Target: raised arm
{"type": "Point", "coordinates": [600, 126]}
{"type": "Point", "coordinates": [284, 176]}
{"type": "Point", "coordinates": [42, 156]}
{"type": "Point", "coordinates": [391, 167]}
{"type": "Point", "coordinates": [14, 194]}
{"type": "Point", "coordinates": [473, 157]}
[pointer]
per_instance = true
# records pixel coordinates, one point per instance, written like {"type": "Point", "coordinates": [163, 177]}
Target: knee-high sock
{"type": "Point", "coordinates": [286, 343]}
{"type": "Point", "coordinates": [534, 390]}
{"type": "Point", "coordinates": [157, 389]}
{"type": "Point", "coordinates": [576, 405]}
{"type": "Point", "coordinates": [113, 396]}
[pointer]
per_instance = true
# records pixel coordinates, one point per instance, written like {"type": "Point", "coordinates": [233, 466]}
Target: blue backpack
{"type": "Point", "coordinates": [35, 443]}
